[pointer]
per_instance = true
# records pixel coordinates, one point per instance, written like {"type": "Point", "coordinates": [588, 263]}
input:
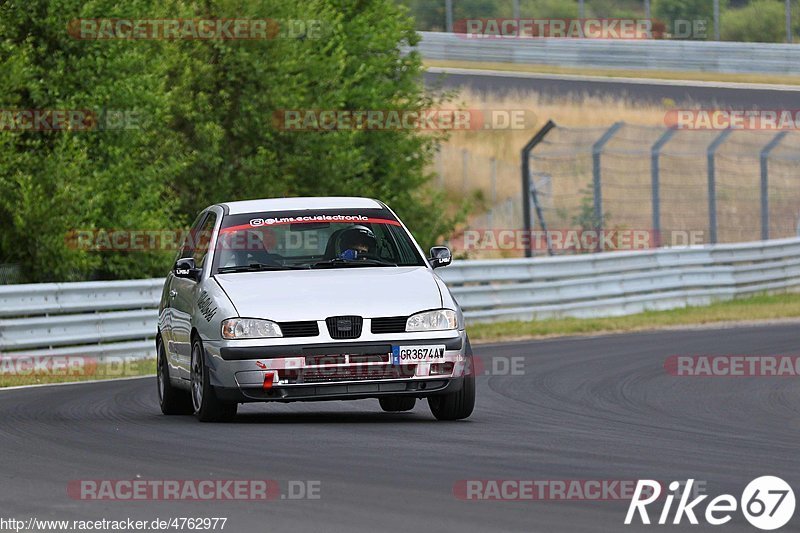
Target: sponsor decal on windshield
{"type": "Point", "coordinates": [310, 219]}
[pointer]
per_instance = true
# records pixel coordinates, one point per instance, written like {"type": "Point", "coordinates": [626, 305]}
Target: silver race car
{"type": "Point", "coordinates": [307, 299]}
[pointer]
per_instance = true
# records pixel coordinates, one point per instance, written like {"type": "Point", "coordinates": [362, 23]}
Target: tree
{"type": "Point", "coordinates": [59, 181]}
{"type": "Point", "coordinates": [670, 11]}
{"type": "Point", "coordinates": [206, 132]}
{"type": "Point", "coordinates": [760, 21]}
{"type": "Point", "coordinates": [223, 107]}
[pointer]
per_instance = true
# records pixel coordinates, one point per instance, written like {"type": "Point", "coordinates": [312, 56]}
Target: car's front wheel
{"type": "Point", "coordinates": [395, 404]}
{"type": "Point", "coordinates": [172, 400]}
{"type": "Point", "coordinates": [456, 405]}
{"type": "Point", "coordinates": [207, 407]}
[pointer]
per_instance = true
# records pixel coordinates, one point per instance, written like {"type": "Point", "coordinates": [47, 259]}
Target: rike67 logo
{"type": "Point", "coordinates": [767, 503]}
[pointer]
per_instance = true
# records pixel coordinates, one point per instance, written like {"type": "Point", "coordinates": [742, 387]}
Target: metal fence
{"type": "Point", "coordinates": [443, 14]}
{"type": "Point", "coordinates": [620, 283]}
{"type": "Point", "coordinates": [709, 186]}
{"type": "Point", "coordinates": [682, 187]}
{"type": "Point", "coordinates": [9, 273]}
{"type": "Point", "coordinates": [118, 318]}
{"type": "Point", "coordinates": [701, 56]}
{"type": "Point", "coordinates": [97, 318]}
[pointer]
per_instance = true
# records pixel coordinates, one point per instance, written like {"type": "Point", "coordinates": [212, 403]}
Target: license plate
{"type": "Point", "coordinates": [409, 355]}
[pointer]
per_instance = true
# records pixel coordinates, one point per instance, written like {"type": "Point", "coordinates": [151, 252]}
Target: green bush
{"type": "Point", "coordinates": [55, 182]}
{"type": "Point", "coordinates": [760, 21]}
{"type": "Point", "coordinates": [206, 133]}
{"type": "Point", "coordinates": [557, 9]}
{"type": "Point", "coordinates": [669, 11]}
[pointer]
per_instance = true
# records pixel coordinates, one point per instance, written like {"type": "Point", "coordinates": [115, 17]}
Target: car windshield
{"type": "Point", "coordinates": [313, 240]}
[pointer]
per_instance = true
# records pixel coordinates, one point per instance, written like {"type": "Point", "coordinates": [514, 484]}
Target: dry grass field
{"type": "Point", "coordinates": [563, 168]}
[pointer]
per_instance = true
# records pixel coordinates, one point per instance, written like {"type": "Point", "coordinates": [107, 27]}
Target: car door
{"type": "Point", "coordinates": [184, 293]}
{"type": "Point", "coordinates": [169, 294]}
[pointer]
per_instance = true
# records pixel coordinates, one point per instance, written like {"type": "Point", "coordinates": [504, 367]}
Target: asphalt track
{"type": "Point", "coordinates": [691, 93]}
{"type": "Point", "coordinates": [583, 408]}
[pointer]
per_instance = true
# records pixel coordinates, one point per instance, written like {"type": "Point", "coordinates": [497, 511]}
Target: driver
{"type": "Point", "coordinates": [356, 242]}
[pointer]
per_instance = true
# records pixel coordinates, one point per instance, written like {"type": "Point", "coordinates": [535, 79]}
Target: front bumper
{"type": "Point", "coordinates": [333, 370]}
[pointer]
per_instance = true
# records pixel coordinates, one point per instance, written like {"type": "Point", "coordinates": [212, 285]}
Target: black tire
{"type": "Point", "coordinates": [173, 401]}
{"type": "Point", "coordinates": [456, 405]}
{"type": "Point", "coordinates": [207, 407]}
{"type": "Point", "coordinates": [396, 404]}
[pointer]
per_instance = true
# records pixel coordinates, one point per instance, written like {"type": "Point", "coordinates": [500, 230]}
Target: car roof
{"type": "Point", "coordinates": [298, 204]}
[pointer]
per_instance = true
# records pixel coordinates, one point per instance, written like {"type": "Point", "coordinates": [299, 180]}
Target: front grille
{"type": "Point", "coordinates": [346, 373]}
{"type": "Point", "coordinates": [375, 358]}
{"type": "Point", "coordinates": [344, 327]}
{"type": "Point", "coordinates": [389, 324]}
{"type": "Point", "coordinates": [306, 328]}
{"type": "Point", "coordinates": [325, 360]}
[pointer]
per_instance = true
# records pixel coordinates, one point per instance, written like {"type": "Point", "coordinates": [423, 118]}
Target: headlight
{"type": "Point", "coordinates": [438, 320]}
{"type": "Point", "coordinates": [249, 328]}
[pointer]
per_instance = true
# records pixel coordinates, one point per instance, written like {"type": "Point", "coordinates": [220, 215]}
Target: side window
{"type": "Point", "coordinates": [187, 248]}
{"type": "Point", "coordinates": [202, 239]}
{"type": "Point", "coordinates": [404, 248]}
{"type": "Point", "coordinates": [386, 246]}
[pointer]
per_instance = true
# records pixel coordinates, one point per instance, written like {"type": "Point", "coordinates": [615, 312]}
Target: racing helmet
{"type": "Point", "coordinates": [358, 235]}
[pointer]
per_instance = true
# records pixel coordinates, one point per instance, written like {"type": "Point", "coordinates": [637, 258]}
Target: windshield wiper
{"type": "Point", "coordinates": [338, 261]}
{"type": "Point", "coordinates": [258, 267]}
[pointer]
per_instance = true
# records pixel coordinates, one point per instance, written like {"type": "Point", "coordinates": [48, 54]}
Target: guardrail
{"type": "Point", "coordinates": [620, 283]}
{"type": "Point", "coordinates": [706, 56]}
{"type": "Point", "coordinates": [119, 318]}
{"type": "Point", "coordinates": [98, 318]}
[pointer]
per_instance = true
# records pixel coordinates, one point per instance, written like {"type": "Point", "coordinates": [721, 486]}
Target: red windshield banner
{"type": "Point", "coordinates": [310, 219]}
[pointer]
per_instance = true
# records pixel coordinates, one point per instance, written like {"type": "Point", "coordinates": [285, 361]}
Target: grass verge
{"type": "Point", "coordinates": [70, 370]}
{"type": "Point", "coordinates": [620, 73]}
{"type": "Point", "coordinates": [758, 308]}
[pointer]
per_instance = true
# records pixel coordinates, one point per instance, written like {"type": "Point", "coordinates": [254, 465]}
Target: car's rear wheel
{"type": "Point", "coordinates": [456, 405]}
{"type": "Point", "coordinates": [207, 407]}
{"type": "Point", "coordinates": [173, 401]}
{"type": "Point", "coordinates": [394, 404]}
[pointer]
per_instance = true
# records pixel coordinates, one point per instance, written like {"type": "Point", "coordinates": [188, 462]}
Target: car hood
{"type": "Point", "coordinates": [317, 294]}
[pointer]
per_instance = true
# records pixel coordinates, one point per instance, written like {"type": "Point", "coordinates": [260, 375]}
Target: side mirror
{"type": "Point", "coordinates": [440, 256]}
{"type": "Point", "coordinates": [185, 268]}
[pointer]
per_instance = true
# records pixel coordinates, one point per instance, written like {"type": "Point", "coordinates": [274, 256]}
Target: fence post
{"type": "Point", "coordinates": [655, 179]}
{"type": "Point", "coordinates": [540, 216]}
{"type": "Point", "coordinates": [493, 179]}
{"type": "Point", "coordinates": [526, 180]}
{"type": "Point", "coordinates": [597, 151]}
{"type": "Point", "coordinates": [516, 8]}
{"type": "Point", "coordinates": [440, 167]}
{"type": "Point", "coordinates": [464, 172]}
{"type": "Point", "coordinates": [764, 156]}
{"type": "Point", "coordinates": [712, 185]}
{"type": "Point", "coordinates": [448, 9]}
